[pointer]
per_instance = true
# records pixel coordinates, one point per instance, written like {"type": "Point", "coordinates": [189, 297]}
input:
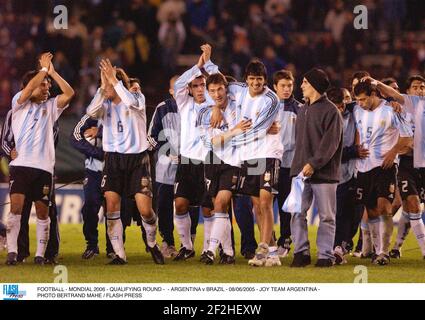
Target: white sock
{"type": "Point", "coordinates": [418, 229]}
{"type": "Point", "coordinates": [375, 234]}
{"type": "Point", "coordinates": [43, 232]}
{"type": "Point", "coordinates": [227, 239]}
{"type": "Point", "coordinates": [150, 226]}
{"type": "Point", "coordinates": [402, 230]}
{"type": "Point", "coordinates": [367, 247]}
{"type": "Point", "coordinates": [13, 227]}
{"type": "Point", "coordinates": [208, 222]}
{"type": "Point", "coordinates": [218, 230]}
{"type": "Point", "coordinates": [183, 223]}
{"type": "Point", "coordinates": [386, 227]}
{"type": "Point", "coordinates": [115, 232]}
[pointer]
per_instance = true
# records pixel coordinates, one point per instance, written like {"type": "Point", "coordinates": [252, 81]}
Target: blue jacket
{"type": "Point", "coordinates": [93, 151]}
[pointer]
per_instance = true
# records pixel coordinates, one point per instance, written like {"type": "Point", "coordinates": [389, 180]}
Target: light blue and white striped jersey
{"type": "Point", "coordinates": [124, 124]}
{"type": "Point", "coordinates": [191, 145]}
{"type": "Point", "coordinates": [226, 153]}
{"type": "Point", "coordinates": [288, 116]}
{"type": "Point", "coordinates": [379, 131]}
{"type": "Point", "coordinates": [32, 127]}
{"type": "Point", "coordinates": [415, 106]}
{"type": "Point", "coordinates": [263, 110]}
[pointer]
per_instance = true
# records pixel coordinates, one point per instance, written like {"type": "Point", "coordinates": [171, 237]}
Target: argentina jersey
{"type": "Point", "coordinates": [288, 120]}
{"type": "Point", "coordinates": [262, 110]}
{"type": "Point", "coordinates": [32, 127]}
{"type": "Point", "coordinates": [124, 129]}
{"type": "Point", "coordinates": [226, 153]}
{"type": "Point", "coordinates": [191, 145]}
{"type": "Point", "coordinates": [415, 106]}
{"type": "Point", "coordinates": [379, 131]}
{"type": "Point", "coordinates": [124, 124]}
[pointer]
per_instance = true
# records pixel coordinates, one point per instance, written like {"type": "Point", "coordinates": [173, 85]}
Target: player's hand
{"type": "Point", "coordinates": [216, 117]}
{"type": "Point", "coordinates": [51, 70]}
{"type": "Point", "coordinates": [13, 154]}
{"type": "Point", "coordinates": [389, 159]}
{"type": "Point", "coordinates": [274, 128]}
{"type": "Point", "coordinates": [308, 170]}
{"type": "Point", "coordinates": [362, 152]}
{"type": "Point", "coordinates": [242, 126]}
{"type": "Point", "coordinates": [45, 60]}
{"type": "Point", "coordinates": [91, 132]}
{"type": "Point", "coordinates": [367, 78]}
{"type": "Point", "coordinates": [396, 106]}
{"type": "Point", "coordinates": [103, 80]}
{"type": "Point", "coordinates": [206, 49]}
{"type": "Point", "coordinates": [109, 70]}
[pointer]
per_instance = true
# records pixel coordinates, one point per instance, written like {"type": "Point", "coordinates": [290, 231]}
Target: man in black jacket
{"type": "Point", "coordinates": [318, 152]}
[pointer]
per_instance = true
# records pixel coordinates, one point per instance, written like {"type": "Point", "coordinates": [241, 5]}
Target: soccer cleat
{"type": "Point", "coordinates": [90, 253]}
{"type": "Point", "coordinates": [357, 253]}
{"type": "Point", "coordinates": [21, 259]}
{"type": "Point", "coordinates": [117, 261]}
{"type": "Point", "coordinates": [395, 254]}
{"type": "Point", "coordinates": [324, 263]}
{"type": "Point", "coordinates": [374, 257]}
{"type": "Point", "coordinates": [260, 257]}
{"type": "Point", "coordinates": [273, 261]}
{"type": "Point", "coordinates": [300, 260]}
{"type": "Point", "coordinates": [156, 254]}
{"type": "Point", "coordinates": [339, 256]}
{"type": "Point", "coordinates": [226, 259]}
{"type": "Point", "coordinates": [382, 260]}
{"type": "Point", "coordinates": [39, 261]}
{"type": "Point", "coordinates": [209, 258]}
{"type": "Point", "coordinates": [12, 259]}
{"type": "Point", "coordinates": [184, 254]}
{"type": "Point", "coordinates": [203, 257]}
{"type": "Point", "coordinates": [249, 255]}
{"type": "Point", "coordinates": [111, 255]}
{"type": "Point", "coordinates": [168, 251]}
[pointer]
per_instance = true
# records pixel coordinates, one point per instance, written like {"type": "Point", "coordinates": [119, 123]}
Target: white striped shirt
{"type": "Point", "coordinates": [32, 127]}
{"type": "Point", "coordinates": [124, 124]}
{"type": "Point", "coordinates": [379, 131]}
{"type": "Point", "coordinates": [415, 106]}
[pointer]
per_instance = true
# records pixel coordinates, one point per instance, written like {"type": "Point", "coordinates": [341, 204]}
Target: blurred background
{"type": "Point", "coordinates": [154, 39]}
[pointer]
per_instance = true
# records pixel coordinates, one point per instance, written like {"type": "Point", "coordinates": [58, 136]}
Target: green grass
{"type": "Point", "coordinates": [141, 269]}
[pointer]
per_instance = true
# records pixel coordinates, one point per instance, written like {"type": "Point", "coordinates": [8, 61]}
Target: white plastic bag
{"type": "Point", "coordinates": [293, 202]}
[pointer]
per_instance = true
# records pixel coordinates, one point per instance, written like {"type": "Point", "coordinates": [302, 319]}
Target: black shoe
{"type": "Point", "coordinates": [39, 261]}
{"type": "Point", "coordinates": [51, 260]}
{"type": "Point", "coordinates": [203, 257]}
{"type": "Point", "coordinates": [111, 255]}
{"type": "Point", "coordinates": [249, 255]}
{"type": "Point", "coordinates": [184, 254]}
{"type": "Point", "coordinates": [383, 260]}
{"type": "Point", "coordinates": [21, 259]}
{"type": "Point", "coordinates": [373, 258]}
{"type": "Point", "coordinates": [226, 259]}
{"type": "Point", "coordinates": [324, 263]}
{"type": "Point", "coordinates": [209, 258]}
{"type": "Point", "coordinates": [90, 253]}
{"type": "Point", "coordinates": [156, 254]}
{"type": "Point", "coordinates": [117, 261]}
{"type": "Point", "coordinates": [11, 259]}
{"type": "Point", "coordinates": [300, 260]}
{"type": "Point", "coordinates": [395, 254]}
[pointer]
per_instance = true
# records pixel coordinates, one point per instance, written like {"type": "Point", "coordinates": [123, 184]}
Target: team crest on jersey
{"type": "Point", "coordinates": [383, 123]}
{"type": "Point", "coordinates": [44, 113]}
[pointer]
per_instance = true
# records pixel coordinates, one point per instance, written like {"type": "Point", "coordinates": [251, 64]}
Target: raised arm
{"type": "Point", "coordinates": [67, 91]}
{"type": "Point", "coordinates": [385, 90]}
{"type": "Point", "coordinates": [34, 83]}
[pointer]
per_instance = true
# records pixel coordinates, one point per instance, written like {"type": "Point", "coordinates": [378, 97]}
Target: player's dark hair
{"type": "Point", "coordinates": [364, 87]}
{"type": "Point", "coordinates": [199, 77]}
{"type": "Point", "coordinates": [256, 68]}
{"type": "Point", "coordinates": [27, 77]}
{"type": "Point", "coordinates": [282, 74]}
{"type": "Point", "coordinates": [359, 75]}
{"type": "Point", "coordinates": [416, 77]}
{"type": "Point", "coordinates": [134, 80]}
{"type": "Point", "coordinates": [217, 78]}
{"type": "Point", "coordinates": [336, 95]}
{"type": "Point", "coordinates": [388, 81]}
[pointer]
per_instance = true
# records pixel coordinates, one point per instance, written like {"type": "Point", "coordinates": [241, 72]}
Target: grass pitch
{"type": "Point", "coordinates": [141, 269]}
